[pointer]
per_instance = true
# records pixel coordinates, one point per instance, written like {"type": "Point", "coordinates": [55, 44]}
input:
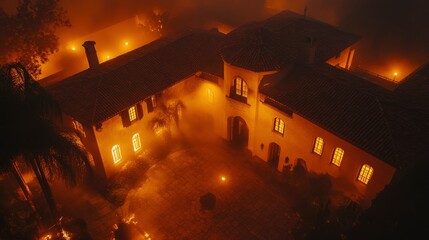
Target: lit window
{"type": "Point", "coordinates": [210, 95]}
{"type": "Point", "coordinates": [116, 153]}
{"type": "Point", "coordinates": [136, 142]}
{"type": "Point", "coordinates": [240, 87]}
{"type": "Point", "coordinates": [318, 146]}
{"type": "Point", "coordinates": [365, 173]}
{"type": "Point", "coordinates": [78, 126]}
{"type": "Point", "coordinates": [279, 125]}
{"type": "Point", "coordinates": [132, 113]}
{"type": "Point", "coordinates": [338, 156]}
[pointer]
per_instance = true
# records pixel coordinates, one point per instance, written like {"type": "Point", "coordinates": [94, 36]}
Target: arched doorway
{"type": "Point", "coordinates": [273, 154]}
{"type": "Point", "coordinates": [238, 132]}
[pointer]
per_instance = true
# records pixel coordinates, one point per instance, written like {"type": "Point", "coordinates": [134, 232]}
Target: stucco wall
{"type": "Point", "coordinates": [344, 59]}
{"type": "Point", "coordinates": [298, 141]}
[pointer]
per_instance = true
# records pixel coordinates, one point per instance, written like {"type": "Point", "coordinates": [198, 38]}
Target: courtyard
{"type": "Point", "coordinates": [161, 191]}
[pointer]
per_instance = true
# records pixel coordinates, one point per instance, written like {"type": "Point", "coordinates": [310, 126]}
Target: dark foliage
{"type": "Point", "coordinates": [29, 35]}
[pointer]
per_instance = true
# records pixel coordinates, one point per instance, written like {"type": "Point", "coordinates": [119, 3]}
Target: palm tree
{"type": "Point", "coordinates": [30, 128]}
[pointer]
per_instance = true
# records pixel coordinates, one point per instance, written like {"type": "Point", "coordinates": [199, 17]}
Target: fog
{"type": "Point", "coordinates": [394, 33]}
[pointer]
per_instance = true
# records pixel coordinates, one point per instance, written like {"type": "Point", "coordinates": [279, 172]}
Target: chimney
{"type": "Point", "coordinates": [308, 54]}
{"type": "Point", "coordinates": [91, 54]}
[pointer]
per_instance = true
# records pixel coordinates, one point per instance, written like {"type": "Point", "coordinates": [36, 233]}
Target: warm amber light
{"type": "Point", "coordinates": [107, 57]}
{"type": "Point", "coordinates": [48, 237]}
{"type": "Point", "coordinates": [223, 178]}
{"type": "Point", "coordinates": [396, 74]}
{"type": "Point", "coordinates": [73, 49]}
{"type": "Point", "coordinates": [126, 43]}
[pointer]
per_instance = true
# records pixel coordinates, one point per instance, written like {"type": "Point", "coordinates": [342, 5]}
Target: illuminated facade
{"type": "Point", "coordinates": [280, 88]}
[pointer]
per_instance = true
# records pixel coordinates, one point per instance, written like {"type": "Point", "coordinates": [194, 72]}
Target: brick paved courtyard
{"type": "Point", "coordinates": [252, 202]}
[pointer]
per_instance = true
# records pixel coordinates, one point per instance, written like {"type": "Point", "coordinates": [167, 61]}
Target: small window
{"type": "Point", "coordinates": [239, 90]}
{"type": "Point", "coordinates": [116, 153]}
{"type": "Point", "coordinates": [210, 95]}
{"type": "Point", "coordinates": [279, 125]}
{"type": "Point", "coordinates": [132, 113]}
{"type": "Point", "coordinates": [151, 103]}
{"type": "Point", "coordinates": [136, 142]}
{"type": "Point", "coordinates": [240, 87]}
{"type": "Point", "coordinates": [318, 146]}
{"type": "Point", "coordinates": [337, 157]}
{"type": "Point", "coordinates": [365, 173]}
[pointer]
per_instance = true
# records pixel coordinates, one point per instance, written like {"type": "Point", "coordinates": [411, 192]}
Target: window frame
{"type": "Point", "coordinates": [366, 172]}
{"type": "Point", "coordinates": [279, 125]}
{"type": "Point", "coordinates": [132, 113]}
{"type": "Point", "coordinates": [116, 153]}
{"type": "Point", "coordinates": [318, 145]}
{"type": "Point", "coordinates": [334, 160]}
{"type": "Point", "coordinates": [239, 89]}
{"type": "Point", "coordinates": [126, 115]}
{"type": "Point", "coordinates": [137, 145]}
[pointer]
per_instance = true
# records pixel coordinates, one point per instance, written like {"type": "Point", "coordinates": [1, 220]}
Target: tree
{"type": "Point", "coordinates": [31, 129]}
{"type": "Point", "coordinates": [29, 35]}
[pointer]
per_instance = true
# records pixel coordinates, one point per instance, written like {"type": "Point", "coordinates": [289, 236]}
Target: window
{"type": "Point", "coordinates": [78, 126]}
{"type": "Point", "coordinates": [240, 87]}
{"type": "Point", "coordinates": [132, 113]}
{"type": "Point", "coordinates": [239, 90]}
{"type": "Point", "coordinates": [337, 157]}
{"type": "Point", "coordinates": [318, 146]}
{"type": "Point", "coordinates": [136, 142]}
{"type": "Point", "coordinates": [151, 103]}
{"type": "Point", "coordinates": [210, 95]}
{"type": "Point", "coordinates": [279, 125]}
{"type": "Point", "coordinates": [116, 153]}
{"type": "Point", "coordinates": [365, 173]}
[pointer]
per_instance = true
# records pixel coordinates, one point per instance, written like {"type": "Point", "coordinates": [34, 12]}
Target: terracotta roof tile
{"type": "Point", "coordinates": [97, 94]}
{"type": "Point", "coordinates": [273, 43]}
{"type": "Point", "coordinates": [341, 104]}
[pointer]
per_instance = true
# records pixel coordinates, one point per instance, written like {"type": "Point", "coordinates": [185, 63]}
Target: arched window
{"type": "Point", "coordinates": [318, 146]}
{"type": "Point", "coordinates": [136, 142]}
{"type": "Point", "coordinates": [116, 153]}
{"type": "Point", "coordinates": [337, 157]}
{"type": "Point", "coordinates": [240, 87]}
{"type": "Point", "coordinates": [365, 173]}
{"type": "Point", "coordinates": [279, 125]}
{"type": "Point", "coordinates": [132, 113]}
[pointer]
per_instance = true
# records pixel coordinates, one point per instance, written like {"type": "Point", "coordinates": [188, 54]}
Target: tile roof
{"type": "Point", "coordinates": [273, 43]}
{"type": "Point", "coordinates": [97, 94]}
{"type": "Point", "coordinates": [341, 103]}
